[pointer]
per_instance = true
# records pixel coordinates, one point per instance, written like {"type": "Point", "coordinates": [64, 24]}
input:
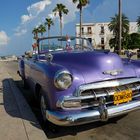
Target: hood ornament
{"type": "Point", "coordinates": [113, 72]}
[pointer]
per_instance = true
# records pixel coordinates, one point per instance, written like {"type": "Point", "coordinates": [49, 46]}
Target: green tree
{"type": "Point", "coordinates": [112, 43]}
{"type": "Point", "coordinates": [138, 21]}
{"type": "Point", "coordinates": [60, 9]}
{"type": "Point", "coordinates": [42, 29]}
{"type": "Point", "coordinates": [80, 5]}
{"type": "Point", "coordinates": [49, 22]}
{"type": "Point", "coordinates": [133, 41]}
{"type": "Point", "coordinates": [114, 27]}
{"type": "Point", "coordinates": [35, 32]}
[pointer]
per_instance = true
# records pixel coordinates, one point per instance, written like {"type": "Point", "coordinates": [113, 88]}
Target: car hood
{"type": "Point", "coordinates": [94, 65]}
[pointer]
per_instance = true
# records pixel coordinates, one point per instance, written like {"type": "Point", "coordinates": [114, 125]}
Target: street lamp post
{"type": "Point", "coordinates": [120, 25]}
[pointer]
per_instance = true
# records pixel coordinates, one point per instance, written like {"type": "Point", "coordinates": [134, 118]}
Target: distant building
{"type": "Point", "coordinates": [8, 58]}
{"type": "Point", "coordinates": [99, 33]}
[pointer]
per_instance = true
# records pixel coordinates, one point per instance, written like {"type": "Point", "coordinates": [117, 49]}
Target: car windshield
{"type": "Point", "coordinates": [64, 44]}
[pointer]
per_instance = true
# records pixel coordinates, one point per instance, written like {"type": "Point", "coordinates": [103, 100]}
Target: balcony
{"type": "Point", "coordinates": [85, 33]}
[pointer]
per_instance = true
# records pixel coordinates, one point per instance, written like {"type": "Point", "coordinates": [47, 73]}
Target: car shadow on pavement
{"type": "Point", "coordinates": [57, 131]}
{"type": "Point", "coordinates": [12, 107]}
{"type": "Point", "coordinates": [51, 130]}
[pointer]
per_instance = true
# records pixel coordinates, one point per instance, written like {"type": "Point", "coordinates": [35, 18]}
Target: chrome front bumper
{"type": "Point", "coordinates": [101, 114]}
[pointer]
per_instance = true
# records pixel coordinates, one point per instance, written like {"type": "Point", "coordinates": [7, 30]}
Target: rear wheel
{"type": "Point", "coordinates": [25, 85]}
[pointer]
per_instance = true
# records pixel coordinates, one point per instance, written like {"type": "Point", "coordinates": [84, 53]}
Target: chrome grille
{"type": "Point", "coordinates": [135, 87]}
{"type": "Point", "coordinates": [109, 92]}
{"type": "Point", "coordinates": [88, 96]}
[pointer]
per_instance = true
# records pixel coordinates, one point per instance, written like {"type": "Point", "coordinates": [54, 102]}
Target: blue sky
{"type": "Point", "coordinates": [19, 17]}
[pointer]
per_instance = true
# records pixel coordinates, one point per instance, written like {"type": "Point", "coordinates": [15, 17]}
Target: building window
{"type": "Point", "coordinates": [82, 30]}
{"type": "Point", "coordinates": [102, 41]}
{"type": "Point", "coordinates": [90, 40]}
{"type": "Point", "coordinates": [102, 30]}
{"type": "Point", "coordinates": [89, 30]}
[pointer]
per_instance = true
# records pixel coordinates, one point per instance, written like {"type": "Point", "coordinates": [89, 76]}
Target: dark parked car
{"type": "Point", "coordinates": [76, 84]}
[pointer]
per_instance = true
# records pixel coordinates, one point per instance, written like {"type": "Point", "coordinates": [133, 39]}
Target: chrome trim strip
{"type": "Point", "coordinates": [136, 96]}
{"type": "Point", "coordinates": [61, 101]}
{"type": "Point", "coordinates": [105, 84]}
{"type": "Point", "coordinates": [72, 118]}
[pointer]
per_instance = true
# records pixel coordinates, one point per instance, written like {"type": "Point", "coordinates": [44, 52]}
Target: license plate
{"type": "Point", "coordinates": [122, 96]}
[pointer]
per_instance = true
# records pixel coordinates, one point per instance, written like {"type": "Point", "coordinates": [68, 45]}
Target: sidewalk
{"type": "Point", "coordinates": [17, 122]}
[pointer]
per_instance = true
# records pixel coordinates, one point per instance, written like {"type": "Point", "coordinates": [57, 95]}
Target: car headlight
{"type": "Point", "coordinates": [63, 80]}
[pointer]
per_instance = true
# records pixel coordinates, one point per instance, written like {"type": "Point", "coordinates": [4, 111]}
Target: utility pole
{"type": "Point", "coordinates": [120, 26]}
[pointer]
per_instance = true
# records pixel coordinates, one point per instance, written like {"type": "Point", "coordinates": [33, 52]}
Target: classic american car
{"type": "Point", "coordinates": [76, 84]}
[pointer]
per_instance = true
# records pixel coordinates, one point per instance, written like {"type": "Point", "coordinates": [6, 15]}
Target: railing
{"type": "Point", "coordinates": [85, 33]}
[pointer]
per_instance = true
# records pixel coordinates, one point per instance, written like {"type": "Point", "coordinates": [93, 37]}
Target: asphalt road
{"type": "Point", "coordinates": [125, 128]}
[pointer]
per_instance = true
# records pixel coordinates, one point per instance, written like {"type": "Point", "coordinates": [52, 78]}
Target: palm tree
{"type": "Point", "coordinates": [48, 23]}
{"type": "Point", "coordinates": [114, 27]}
{"type": "Point", "coordinates": [60, 9]}
{"type": "Point", "coordinates": [35, 32]}
{"type": "Point", "coordinates": [138, 21]}
{"type": "Point", "coordinates": [42, 29]}
{"type": "Point", "coordinates": [81, 4]}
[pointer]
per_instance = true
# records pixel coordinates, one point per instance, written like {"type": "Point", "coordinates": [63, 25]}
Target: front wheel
{"type": "Point", "coordinates": [43, 107]}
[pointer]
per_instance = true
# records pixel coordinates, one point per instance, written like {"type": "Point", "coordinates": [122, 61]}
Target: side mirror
{"type": "Point", "coordinates": [29, 54]}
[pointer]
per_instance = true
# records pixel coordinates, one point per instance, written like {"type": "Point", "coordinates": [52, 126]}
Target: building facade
{"type": "Point", "coordinates": [99, 33]}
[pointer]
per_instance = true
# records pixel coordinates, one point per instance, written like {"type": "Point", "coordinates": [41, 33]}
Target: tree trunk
{"type": "Point", "coordinates": [41, 35]}
{"type": "Point", "coordinates": [120, 26]}
{"type": "Point", "coordinates": [48, 36]}
{"type": "Point", "coordinates": [61, 29]}
{"type": "Point", "coordinates": [41, 42]}
{"type": "Point", "coordinates": [36, 36]}
{"type": "Point", "coordinates": [81, 21]}
{"type": "Point", "coordinates": [48, 32]}
{"type": "Point", "coordinates": [60, 25]}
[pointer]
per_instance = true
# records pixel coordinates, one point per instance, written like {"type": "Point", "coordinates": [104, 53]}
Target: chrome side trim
{"type": "Point", "coordinates": [72, 118]}
{"type": "Point", "coordinates": [105, 84]}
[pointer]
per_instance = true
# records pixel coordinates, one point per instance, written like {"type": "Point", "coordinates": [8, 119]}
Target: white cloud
{"type": "Point", "coordinates": [51, 16]}
{"type": "Point", "coordinates": [34, 9]}
{"type": "Point", "coordinates": [4, 39]}
{"type": "Point", "coordinates": [21, 32]}
{"type": "Point", "coordinates": [46, 7]}
{"type": "Point", "coordinates": [26, 18]}
{"type": "Point", "coordinates": [38, 7]}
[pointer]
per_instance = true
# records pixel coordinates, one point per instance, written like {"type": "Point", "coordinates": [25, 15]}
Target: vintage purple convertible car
{"type": "Point", "coordinates": [76, 84]}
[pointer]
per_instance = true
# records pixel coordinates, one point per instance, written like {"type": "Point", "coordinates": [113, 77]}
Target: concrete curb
{"type": "Point", "coordinates": [30, 123]}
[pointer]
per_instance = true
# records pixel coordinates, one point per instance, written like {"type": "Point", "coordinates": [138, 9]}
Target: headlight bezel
{"type": "Point", "coordinates": [62, 74]}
